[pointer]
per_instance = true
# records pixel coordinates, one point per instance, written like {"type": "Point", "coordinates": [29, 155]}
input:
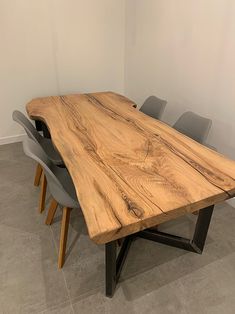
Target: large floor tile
{"type": "Point", "coordinates": [209, 289]}
{"type": "Point", "coordinates": [19, 209]}
{"type": "Point", "coordinates": [12, 152]}
{"type": "Point", "coordinates": [84, 266]}
{"type": "Point", "coordinates": [29, 279]}
{"type": "Point", "coordinates": [65, 308]}
{"type": "Point", "coordinates": [155, 278]}
{"type": "Point", "coordinates": [163, 300]}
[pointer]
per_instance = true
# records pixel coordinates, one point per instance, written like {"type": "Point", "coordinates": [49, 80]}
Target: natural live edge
{"type": "Point", "coordinates": [130, 171]}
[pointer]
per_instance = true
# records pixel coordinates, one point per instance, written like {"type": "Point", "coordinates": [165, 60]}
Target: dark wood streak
{"type": "Point", "coordinates": [146, 134]}
{"type": "Point", "coordinates": [154, 171]}
{"type": "Point", "coordinates": [113, 114]}
{"type": "Point", "coordinates": [90, 147]}
{"type": "Point", "coordinates": [170, 183]}
{"type": "Point", "coordinates": [199, 168]}
{"type": "Point", "coordinates": [135, 207]}
{"type": "Point", "coordinates": [106, 201]}
{"type": "Point", "coordinates": [131, 206]}
{"type": "Point", "coordinates": [147, 151]}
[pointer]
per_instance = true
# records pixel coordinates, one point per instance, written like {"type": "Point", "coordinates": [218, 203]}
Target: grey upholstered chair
{"type": "Point", "coordinates": [47, 146]}
{"type": "Point", "coordinates": [194, 126]}
{"type": "Point", "coordinates": [62, 190]}
{"type": "Point", "coordinates": [153, 107]}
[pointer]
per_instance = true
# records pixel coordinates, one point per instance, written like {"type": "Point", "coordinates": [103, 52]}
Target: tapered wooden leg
{"type": "Point", "coordinates": [38, 175]}
{"type": "Point", "coordinates": [63, 235]}
{"type": "Point", "coordinates": [43, 193]}
{"type": "Point", "coordinates": [51, 212]}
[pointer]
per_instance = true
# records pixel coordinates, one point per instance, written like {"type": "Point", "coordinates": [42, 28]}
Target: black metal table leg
{"type": "Point", "coordinates": [110, 263]}
{"type": "Point", "coordinates": [201, 229]}
{"type": "Point", "coordinates": [41, 126]}
{"type": "Point", "coordinates": [114, 264]}
{"type": "Point", "coordinates": [195, 245]}
{"type": "Point", "coordinates": [122, 255]}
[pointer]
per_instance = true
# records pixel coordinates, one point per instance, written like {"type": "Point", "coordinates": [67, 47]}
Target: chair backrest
{"type": "Point", "coordinates": [194, 126]}
{"type": "Point", "coordinates": [20, 118]}
{"type": "Point", "coordinates": [33, 150]}
{"type": "Point", "coordinates": [154, 107]}
{"type": "Point", "coordinates": [54, 175]}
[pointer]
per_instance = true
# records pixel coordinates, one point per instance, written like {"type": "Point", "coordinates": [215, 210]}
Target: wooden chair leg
{"type": "Point", "coordinates": [63, 235]}
{"type": "Point", "coordinates": [43, 193]}
{"type": "Point", "coordinates": [38, 175]}
{"type": "Point", "coordinates": [51, 212]}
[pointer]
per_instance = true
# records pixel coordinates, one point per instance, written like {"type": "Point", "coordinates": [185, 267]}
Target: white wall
{"type": "Point", "coordinates": [51, 47]}
{"type": "Point", "coordinates": [180, 50]}
{"type": "Point", "coordinates": [184, 52]}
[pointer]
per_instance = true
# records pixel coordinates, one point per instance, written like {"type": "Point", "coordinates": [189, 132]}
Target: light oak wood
{"type": "Point", "coordinates": [130, 171]}
{"type": "Point", "coordinates": [43, 193]}
{"type": "Point", "coordinates": [51, 212]}
{"type": "Point", "coordinates": [63, 236]}
{"type": "Point", "coordinates": [38, 175]}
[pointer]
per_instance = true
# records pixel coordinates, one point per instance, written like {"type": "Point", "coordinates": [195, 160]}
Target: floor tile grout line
{"type": "Point", "coordinates": [75, 299]}
{"type": "Point", "coordinates": [66, 286]}
{"type": "Point", "coordinates": [20, 230]}
{"type": "Point", "coordinates": [54, 307]}
{"type": "Point", "coordinates": [85, 294]}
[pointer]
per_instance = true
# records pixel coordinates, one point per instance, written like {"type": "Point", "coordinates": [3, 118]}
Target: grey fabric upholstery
{"type": "Point", "coordinates": [211, 147]}
{"type": "Point", "coordinates": [32, 133]}
{"type": "Point", "coordinates": [59, 180]}
{"type": "Point", "coordinates": [194, 126]}
{"type": "Point", "coordinates": [154, 107]}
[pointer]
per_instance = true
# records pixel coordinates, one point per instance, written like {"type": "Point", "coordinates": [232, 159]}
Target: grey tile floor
{"type": "Point", "coordinates": [155, 279]}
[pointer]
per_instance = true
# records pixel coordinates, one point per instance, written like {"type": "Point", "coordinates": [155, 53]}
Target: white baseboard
{"type": "Point", "coordinates": [12, 139]}
{"type": "Point", "coordinates": [231, 201]}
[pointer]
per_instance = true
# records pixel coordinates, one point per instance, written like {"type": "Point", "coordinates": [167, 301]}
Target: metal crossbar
{"type": "Point", "coordinates": [115, 263]}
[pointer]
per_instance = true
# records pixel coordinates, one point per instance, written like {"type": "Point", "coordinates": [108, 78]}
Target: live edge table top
{"type": "Point", "coordinates": [130, 171]}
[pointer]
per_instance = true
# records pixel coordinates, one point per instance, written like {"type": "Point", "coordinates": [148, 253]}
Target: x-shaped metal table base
{"type": "Point", "coordinates": [115, 263]}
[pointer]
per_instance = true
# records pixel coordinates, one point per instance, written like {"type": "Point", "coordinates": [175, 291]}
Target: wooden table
{"type": "Point", "coordinates": [132, 172]}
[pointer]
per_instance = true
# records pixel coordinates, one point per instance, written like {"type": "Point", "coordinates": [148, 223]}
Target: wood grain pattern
{"type": "Point", "coordinates": [43, 192]}
{"type": "Point", "coordinates": [130, 171]}
{"type": "Point", "coordinates": [63, 236]}
{"type": "Point", "coordinates": [51, 212]}
{"type": "Point", "coordinates": [38, 175]}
